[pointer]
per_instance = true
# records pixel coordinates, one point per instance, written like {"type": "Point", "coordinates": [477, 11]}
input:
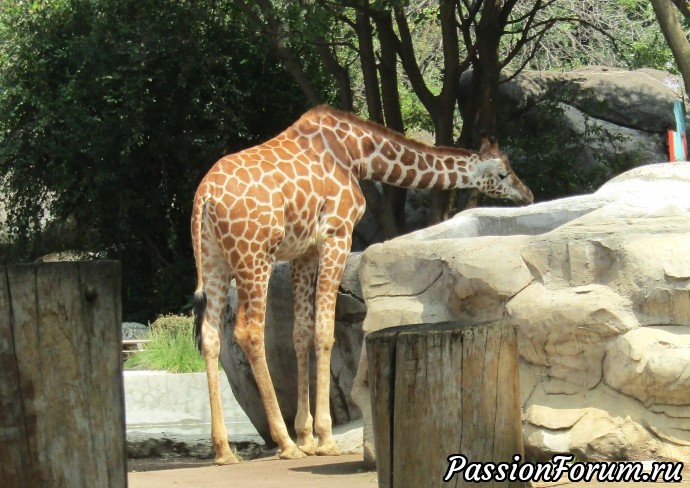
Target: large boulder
{"type": "Point", "coordinates": [640, 99]}
{"type": "Point", "coordinates": [599, 286]}
{"type": "Point", "coordinates": [280, 353]}
{"type": "Point", "coordinates": [590, 124]}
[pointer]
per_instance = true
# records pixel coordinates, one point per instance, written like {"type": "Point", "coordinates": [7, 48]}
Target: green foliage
{"type": "Point", "coordinates": [649, 48]}
{"type": "Point", "coordinates": [113, 111]}
{"type": "Point", "coordinates": [546, 152]}
{"type": "Point", "coordinates": [172, 347]}
{"type": "Point", "coordinates": [615, 33]}
{"type": "Point", "coordinates": [414, 114]}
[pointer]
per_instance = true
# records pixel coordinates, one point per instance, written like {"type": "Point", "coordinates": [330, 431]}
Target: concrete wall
{"type": "Point", "coordinates": [157, 401]}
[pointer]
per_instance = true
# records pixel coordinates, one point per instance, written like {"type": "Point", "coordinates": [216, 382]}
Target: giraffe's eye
{"type": "Point", "coordinates": [503, 176]}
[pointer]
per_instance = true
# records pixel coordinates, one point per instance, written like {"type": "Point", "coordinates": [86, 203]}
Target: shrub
{"type": "Point", "coordinates": [172, 347]}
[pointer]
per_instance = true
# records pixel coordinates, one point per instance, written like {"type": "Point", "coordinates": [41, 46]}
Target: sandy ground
{"type": "Point", "coordinates": [345, 471]}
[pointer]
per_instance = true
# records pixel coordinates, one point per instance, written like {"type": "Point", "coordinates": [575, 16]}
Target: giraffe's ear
{"type": "Point", "coordinates": [489, 143]}
{"type": "Point", "coordinates": [486, 143]}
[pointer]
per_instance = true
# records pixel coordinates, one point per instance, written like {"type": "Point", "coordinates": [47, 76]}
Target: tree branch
{"type": "Point", "coordinates": [273, 30]}
{"type": "Point", "coordinates": [529, 57]}
{"type": "Point", "coordinates": [340, 73]}
{"type": "Point", "coordinates": [405, 50]}
{"type": "Point", "coordinates": [530, 13]}
{"type": "Point", "coordinates": [548, 24]}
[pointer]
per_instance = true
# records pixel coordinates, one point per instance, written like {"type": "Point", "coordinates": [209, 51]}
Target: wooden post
{"type": "Point", "coordinates": [61, 395]}
{"type": "Point", "coordinates": [439, 390]}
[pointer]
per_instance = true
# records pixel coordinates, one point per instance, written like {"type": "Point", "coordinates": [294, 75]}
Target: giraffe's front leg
{"type": "Point", "coordinates": [332, 258]}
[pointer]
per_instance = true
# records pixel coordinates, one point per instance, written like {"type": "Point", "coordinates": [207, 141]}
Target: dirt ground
{"type": "Point", "coordinates": [345, 471]}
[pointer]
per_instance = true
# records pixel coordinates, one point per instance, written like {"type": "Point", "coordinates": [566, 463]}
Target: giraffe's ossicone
{"type": "Point", "coordinates": [297, 198]}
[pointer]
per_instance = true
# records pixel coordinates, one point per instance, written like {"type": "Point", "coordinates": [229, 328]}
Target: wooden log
{"type": "Point", "coordinates": [61, 393]}
{"type": "Point", "coordinates": [439, 390]}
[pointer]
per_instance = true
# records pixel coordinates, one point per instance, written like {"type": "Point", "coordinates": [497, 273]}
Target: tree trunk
{"type": "Point", "coordinates": [339, 73]}
{"type": "Point", "coordinates": [61, 393]}
{"type": "Point", "coordinates": [675, 37]}
{"type": "Point", "coordinates": [393, 197]}
{"type": "Point", "coordinates": [372, 94]}
{"type": "Point", "coordinates": [445, 107]}
{"type": "Point", "coordinates": [479, 110]}
{"type": "Point", "coordinates": [480, 115]}
{"type": "Point", "coordinates": [367, 59]}
{"type": "Point", "coordinates": [439, 390]}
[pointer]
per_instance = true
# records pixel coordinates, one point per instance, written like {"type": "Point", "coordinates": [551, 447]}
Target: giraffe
{"type": "Point", "coordinates": [297, 198]}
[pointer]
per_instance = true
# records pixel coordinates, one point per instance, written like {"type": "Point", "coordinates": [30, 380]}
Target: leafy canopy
{"type": "Point", "coordinates": [112, 112]}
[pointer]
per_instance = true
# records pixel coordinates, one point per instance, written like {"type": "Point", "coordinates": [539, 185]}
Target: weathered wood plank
{"type": "Point", "coordinates": [63, 434]}
{"type": "Point", "coordinates": [107, 413]}
{"type": "Point", "coordinates": [24, 303]}
{"type": "Point", "coordinates": [508, 397]}
{"type": "Point", "coordinates": [382, 378]}
{"type": "Point", "coordinates": [14, 448]}
{"type": "Point", "coordinates": [66, 325]}
{"type": "Point", "coordinates": [444, 389]}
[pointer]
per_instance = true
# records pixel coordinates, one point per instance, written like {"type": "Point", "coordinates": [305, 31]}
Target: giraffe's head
{"type": "Point", "coordinates": [495, 177]}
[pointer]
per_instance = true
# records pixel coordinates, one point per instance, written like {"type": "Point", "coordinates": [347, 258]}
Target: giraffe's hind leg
{"type": "Point", "coordinates": [304, 271]}
{"type": "Point", "coordinates": [252, 288]}
{"type": "Point", "coordinates": [332, 257]}
{"type": "Point", "coordinates": [217, 276]}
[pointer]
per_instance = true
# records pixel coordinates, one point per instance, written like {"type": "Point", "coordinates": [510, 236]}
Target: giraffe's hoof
{"type": "Point", "coordinates": [307, 445]}
{"type": "Point", "coordinates": [328, 448]}
{"type": "Point", "coordinates": [225, 459]}
{"type": "Point", "coordinates": [292, 452]}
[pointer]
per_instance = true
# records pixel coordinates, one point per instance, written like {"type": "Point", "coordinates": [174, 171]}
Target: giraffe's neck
{"type": "Point", "coordinates": [404, 163]}
{"type": "Point", "coordinates": [375, 153]}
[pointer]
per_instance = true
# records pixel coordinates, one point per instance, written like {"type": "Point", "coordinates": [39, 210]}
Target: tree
{"type": "Point", "coordinates": [674, 34]}
{"type": "Point", "coordinates": [484, 36]}
{"type": "Point", "coordinates": [112, 112]}
{"type": "Point", "coordinates": [113, 109]}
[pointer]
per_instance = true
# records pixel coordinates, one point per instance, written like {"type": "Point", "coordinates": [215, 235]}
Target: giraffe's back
{"type": "Point", "coordinates": [271, 194]}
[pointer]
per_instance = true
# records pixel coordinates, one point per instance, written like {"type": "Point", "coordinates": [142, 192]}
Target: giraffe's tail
{"type": "Point", "coordinates": [199, 311]}
{"type": "Point", "coordinates": [200, 294]}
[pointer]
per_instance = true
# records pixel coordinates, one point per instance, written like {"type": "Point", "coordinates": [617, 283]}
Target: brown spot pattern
{"type": "Point", "coordinates": [297, 198]}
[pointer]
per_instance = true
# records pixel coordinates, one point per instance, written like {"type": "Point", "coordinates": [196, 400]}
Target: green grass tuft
{"type": "Point", "coordinates": [172, 347]}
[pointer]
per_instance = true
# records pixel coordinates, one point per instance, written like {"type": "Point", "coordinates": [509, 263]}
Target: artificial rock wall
{"type": "Point", "coordinates": [599, 286]}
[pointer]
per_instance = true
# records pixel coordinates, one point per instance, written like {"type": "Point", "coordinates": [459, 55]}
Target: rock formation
{"type": "Point", "coordinates": [622, 114]}
{"type": "Point", "coordinates": [599, 286]}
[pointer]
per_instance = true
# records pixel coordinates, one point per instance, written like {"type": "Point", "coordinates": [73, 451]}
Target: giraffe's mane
{"type": "Point", "coordinates": [388, 133]}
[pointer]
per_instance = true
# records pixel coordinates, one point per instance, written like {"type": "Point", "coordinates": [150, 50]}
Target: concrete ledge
{"type": "Point", "coordinates": [168, 415]}
{"type": "Point", "coordinates": [157, 399]}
